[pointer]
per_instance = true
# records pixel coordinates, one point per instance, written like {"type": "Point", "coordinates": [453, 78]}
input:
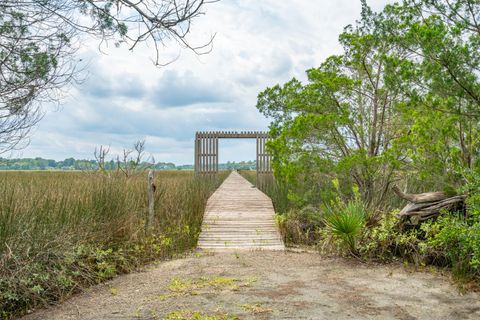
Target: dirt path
{"type": "Point", "coordinates": [270, 285]}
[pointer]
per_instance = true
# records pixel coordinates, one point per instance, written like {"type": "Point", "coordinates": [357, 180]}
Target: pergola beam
{"type": "Point", "coordinates": [206, 150]}
{"type": "Point", "coordinates": [234, 134]}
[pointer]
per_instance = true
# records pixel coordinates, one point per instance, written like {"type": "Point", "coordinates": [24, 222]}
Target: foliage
{"type": "Point", "coordinates": [401, 103]}
{"type": "Point", "coordinates": [370, 116]}
{"type": "Point", "coordinates": [344, 224]}
{"type": "Point", "coordinates": [451, 241]}
{"type": "Point", "coordinates": [458, 243]}
{"type": "Point", "coordinates": [439, 78]}
{"type": "Point", "coordinates": [301, 226]}
{"type": "Point", "coordinates": [341, 123]}
{"type": "Point", "coordinates": [62, 231]}
{"type": "Point", "coordinates": [39, 40]}
{"type": "Point", "coordinates": [386, 241]}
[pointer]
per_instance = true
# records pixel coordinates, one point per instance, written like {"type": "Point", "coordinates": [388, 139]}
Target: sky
{"type": "Point", "coordinates": [125, 98]}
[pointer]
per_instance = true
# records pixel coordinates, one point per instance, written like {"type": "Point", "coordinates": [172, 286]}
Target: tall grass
{"type": "Point", "coordinates": [61, 231]}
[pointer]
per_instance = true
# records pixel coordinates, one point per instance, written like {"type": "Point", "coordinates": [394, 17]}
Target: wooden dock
{"type": "Point", "coordinates": [239, 216]}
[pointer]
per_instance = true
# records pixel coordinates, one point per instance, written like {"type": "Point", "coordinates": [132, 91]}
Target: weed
{"type": "Point", "coordinates": [186, 286]}
{"type": "Point", "coordinates": [196, 315]}
{"type": "Point", "coordinates": [256, 308]}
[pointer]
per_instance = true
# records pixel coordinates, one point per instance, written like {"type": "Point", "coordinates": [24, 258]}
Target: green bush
{"type": "Point", "coordinates": [458, 242]}
{"type": "Point", "coordinates": [301, 226]}
{"type": "Point", "coordinates": [344, 225]}
{"type": "Point", "coordinates": [386, 241]}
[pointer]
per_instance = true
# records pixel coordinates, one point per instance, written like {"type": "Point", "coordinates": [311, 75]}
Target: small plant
{"type": "Point", "coordinates": [387, 241]}
{"type": "Point", "coordinates": [256, 308]}
{"type": "Point", "coordinates": [301, 226]}
{"type": "Point", "coordinates": [458, 242]}
{"type": "Point", "coordinates": [187, 286]}
{"type": "Point", "coordinates": [197, 315]}
{"type": "Point", "coordinates": [345, 224]}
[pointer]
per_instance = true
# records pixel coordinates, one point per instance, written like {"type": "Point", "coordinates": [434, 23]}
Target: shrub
{"type": "Point", "coordinates": [387, 241]}
{"type": "Point", "coordinates": [301, 226]}
{"type": "Point", "coordinates": [344, 225]}
{"type": "Point", "coordinates": [458, 242]}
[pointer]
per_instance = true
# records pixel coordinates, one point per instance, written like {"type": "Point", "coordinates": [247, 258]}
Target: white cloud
{"type": "Point", "coordinates": [125, 98]}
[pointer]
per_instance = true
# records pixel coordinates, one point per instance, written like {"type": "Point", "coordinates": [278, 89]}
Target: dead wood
{"type": "Point", "coordinates": [420, 197]}
{"type": "Point", "coordinates": [428, 205]}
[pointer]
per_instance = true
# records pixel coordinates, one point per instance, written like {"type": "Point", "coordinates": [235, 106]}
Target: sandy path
{"type": "Point", "coordinates": [271, 285]}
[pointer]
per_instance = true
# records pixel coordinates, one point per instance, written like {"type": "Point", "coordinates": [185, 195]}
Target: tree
{"type": "Point", "coordinates": [342, 122]}
{"type": "Point", "coordinates": [39, 39]}
{"type": "Point", "coordinates": [440, 75]}
{"type": "Point", "coordinates": [401, 103]}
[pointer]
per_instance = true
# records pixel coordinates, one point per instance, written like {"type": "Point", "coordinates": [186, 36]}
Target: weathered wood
{"type": "Point", "coordinates": [420, 197]}
{"type": "Point", "coordinates": [151, 200]}
{"type": "Point", "coordinates": [239, 216]}
{"type": "Point", "coordinates": [426, 206]}
{"type": "Point", "coordinates": [237, 134]}
{"type": "Point", "coordinates": [206, 150]}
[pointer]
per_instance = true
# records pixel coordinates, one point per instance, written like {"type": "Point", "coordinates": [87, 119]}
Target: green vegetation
{"type": "Point", "coordinates": [196, 315]}
{"type": "Point", "coordinates": [75, 164]}
{"type": "Point", "coordinates": [62, 231]}
{"type": "Point", "coordinates": [186, 286]}
{"type": "Point", "coordinates": [256, 308]}
{"type": "Point", "coordinates": [345, 224]}
{"type": "Point", "coordinates": [70, 164]}
{"type": "Point", "coordinates": [368, 119]}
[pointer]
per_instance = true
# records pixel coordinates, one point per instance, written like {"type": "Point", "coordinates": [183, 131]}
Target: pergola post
{"type": "Point", "coordinates": [207, 151]}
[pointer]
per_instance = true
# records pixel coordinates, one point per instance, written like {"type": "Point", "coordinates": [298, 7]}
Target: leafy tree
{"type": "Point", "coordinates": [440, 78]}
{"type": "Point", "coordinates": [342, 122]}
{"type": "Point", "coordinates": [401, 103]}
{"type": "Point", "coordinates": [38, 41]}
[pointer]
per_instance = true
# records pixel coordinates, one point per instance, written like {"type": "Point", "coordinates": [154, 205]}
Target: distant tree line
{"type": "Point", "coordinates": [83, 164]}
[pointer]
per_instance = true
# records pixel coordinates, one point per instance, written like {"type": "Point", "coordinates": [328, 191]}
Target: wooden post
{"type": "Point", "coordinates": [195, 160]}
{"type": "Point", "coordinates": [209, 151]}
{"type": "Point", "coordinates": [206, 151]}
{"type": "Point", "coordinates": [258, 161]}
{"type": "Point", "coordinates": [216, 154]}
{"type": "Point", "coordinates": [151, 199]}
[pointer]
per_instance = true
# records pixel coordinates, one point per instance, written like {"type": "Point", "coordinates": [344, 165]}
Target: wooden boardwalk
{"type": "Point", "coordinates": [239, 216]}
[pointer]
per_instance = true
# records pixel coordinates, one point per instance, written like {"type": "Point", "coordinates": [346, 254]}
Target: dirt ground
{"type": "Point", "coordinates": [269, 285]}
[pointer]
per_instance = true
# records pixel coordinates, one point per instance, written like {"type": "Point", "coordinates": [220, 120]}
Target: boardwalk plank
{"type": "Point", "coordinates": [239, 216]}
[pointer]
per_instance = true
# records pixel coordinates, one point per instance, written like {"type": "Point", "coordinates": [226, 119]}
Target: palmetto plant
{"type": "Point", "coordinates": [344, 224]}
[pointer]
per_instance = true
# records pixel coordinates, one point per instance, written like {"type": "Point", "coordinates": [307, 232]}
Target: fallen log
{"type": "Point", "coordinates": [420, 197]}
{"type": "Point", "coordinates": [424, 206]}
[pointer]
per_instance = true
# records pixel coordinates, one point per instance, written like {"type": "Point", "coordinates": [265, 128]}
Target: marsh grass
{"type": "Point", "coordinates": [62, 231]}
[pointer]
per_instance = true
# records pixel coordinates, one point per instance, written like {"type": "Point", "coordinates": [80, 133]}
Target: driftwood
{"type": "Point", "coordinates": [420, 197]}
{"type": "Point", "coordinates": [424, 206]}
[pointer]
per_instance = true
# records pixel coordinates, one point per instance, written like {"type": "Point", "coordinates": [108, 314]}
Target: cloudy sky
{"type": "Point", "coordinates": [126, 98]}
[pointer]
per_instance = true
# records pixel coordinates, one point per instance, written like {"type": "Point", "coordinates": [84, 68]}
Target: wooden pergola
{"type": "Point", "coordinates": [206, 150]}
